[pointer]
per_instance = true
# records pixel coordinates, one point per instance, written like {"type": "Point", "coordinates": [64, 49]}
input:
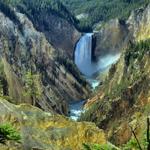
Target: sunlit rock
{"type": "Point", "coordinates": [44, 131]}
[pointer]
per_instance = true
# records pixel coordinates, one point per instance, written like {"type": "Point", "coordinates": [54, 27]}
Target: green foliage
{"type": "Point", "coordinates": [39, 6]}
{"type": "Point", "coordinates": [96, 10]}
{"type": "Point", "coordinates": [86, 147]}
{"type": "Point", "coordinates": [98, 147]}
{"type": "Point", "coordinates": [1, 68]}
{"type": "Point", "coordinates": [12, 2]}
{"type": "Point", "coordinates": [7, 132]}
{"type": "Point", "coordinates": [137, 51]}
{"type": "Point", "coordinates": [4, 7]}
{"type": "Point", "coordinates": [36, 9]}
{"type": "Point", "coordinates": [132, 144]}
{"type": "Point", "coordinates": [1, 74]}
{"type": "Point", "coordinates": [146, 109]}
{"type": "Point", "coordinates": [118, 90]}
{"type": "Point", "coordinates": [88, 114]}
{"type": "Point", "coordinates": [102, 10]}
{"type": "Point", "coordinates": [3, 82]}
{"type": "Point", "coordinates": [1, 88]}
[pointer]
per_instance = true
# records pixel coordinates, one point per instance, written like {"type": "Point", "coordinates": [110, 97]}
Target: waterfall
{"type": "Point", "coordinates": [83, 58]}
{"type": "Point", "coordinates": [83, 54]}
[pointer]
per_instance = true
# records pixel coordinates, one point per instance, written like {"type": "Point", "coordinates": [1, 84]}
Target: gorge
{"type": "Point", "coordinates": [69, 84]}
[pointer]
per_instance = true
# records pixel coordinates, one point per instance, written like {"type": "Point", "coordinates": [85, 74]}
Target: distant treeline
{"type": "Point", "coordinates": [95, 10]}
{"type": "Point", "coordinates": [34, 8]}
{"type": "Point", "coordinates": [102, 10]}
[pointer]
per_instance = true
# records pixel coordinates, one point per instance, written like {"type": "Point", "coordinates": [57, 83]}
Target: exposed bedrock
{"type": "Point", "coordinates": [59, 32]}
{"type": "Point", "coordinates": [44, 131]}
{"type": "Point", "coordinates": [111, 38]}
{"type": "Point", "coordinates": [115, 35]}
{"type": "Point", "coordinates": [24, 50]}
{"type": "Point", "coordinates": [123, 100]}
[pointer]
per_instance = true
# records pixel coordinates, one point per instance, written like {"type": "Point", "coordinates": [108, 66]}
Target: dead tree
{"type": "Point", "coordinates": [136, 138]}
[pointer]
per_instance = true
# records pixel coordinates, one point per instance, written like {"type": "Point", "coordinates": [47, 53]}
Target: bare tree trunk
{"type": "Point", "coordinates": [136, 138]}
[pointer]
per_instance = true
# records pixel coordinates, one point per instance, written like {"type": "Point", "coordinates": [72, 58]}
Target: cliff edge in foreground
{"type": "Point", "coordinates": [44, 131]}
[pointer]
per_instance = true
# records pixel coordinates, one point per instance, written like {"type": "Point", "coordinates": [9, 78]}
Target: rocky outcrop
{"type": "Point", "coordinates": [111, 38]}
{"type": "Point", "coordinates": [22, 50]}
{"type": "Point", "coordinates": [44, 131]}
{"type": "Point", "coordinates": [59, 32]}
{"type": "Point", "coordinates": [54, 20]}
{"type": "Point", "coordinates": [139, 23]}
{"type": "Point", "coordinates": [115, 35]}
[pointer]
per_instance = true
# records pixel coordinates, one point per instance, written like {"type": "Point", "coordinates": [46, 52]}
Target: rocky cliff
{"type": "Point", "coordinates": [26, 51]}
{"type": "Point", "coordinates": [44, 131]}
{"type": "Point", "coordinates": [111, 38]}
{"type": "Point", "coordinates": [139, 23]}
{"type": "Point", "coordinates": [114, 36]}
{"type": "Point", "coordinates": [54, 20]}
{"type": "Point", "coordinates": [123, 101]}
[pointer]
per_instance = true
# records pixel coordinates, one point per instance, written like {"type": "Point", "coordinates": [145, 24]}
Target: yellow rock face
{"type": "Point", "coordinates": [139, 24]}
{"type": "Point", "coordinates": [40, 130]}
{"type": "Point", "coordinates": [144, 33]}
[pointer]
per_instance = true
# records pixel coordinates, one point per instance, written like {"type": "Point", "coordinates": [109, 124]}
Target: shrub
{"type": "Point", "coordinates": [7, 132]}
{"type": "Point", "coordinates": [99, 147]}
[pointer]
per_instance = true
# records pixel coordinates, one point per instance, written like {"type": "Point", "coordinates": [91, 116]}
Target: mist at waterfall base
{"type": "Point", "coordinates": [83, 60]}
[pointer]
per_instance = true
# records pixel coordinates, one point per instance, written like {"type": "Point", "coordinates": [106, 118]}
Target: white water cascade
{"type": "Point", "coordinates": [83, 58]}
{"type": "Point", "coordinates": [83, 55]}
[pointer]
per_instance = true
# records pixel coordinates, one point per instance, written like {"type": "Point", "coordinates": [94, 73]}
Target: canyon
{"type": "Point", "coordinates": [62, 89]}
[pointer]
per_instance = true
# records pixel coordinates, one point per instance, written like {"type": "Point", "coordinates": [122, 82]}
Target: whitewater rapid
{"type": "Point", "coordinates": [76, 109]}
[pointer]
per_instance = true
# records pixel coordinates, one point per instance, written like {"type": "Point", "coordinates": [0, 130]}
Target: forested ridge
{"type": "Point", "coordinates": [95, 11]}
{"type": "Point", "coordinates": [33, 9]}
{"type": "Point", "coordinates": [102, 10]}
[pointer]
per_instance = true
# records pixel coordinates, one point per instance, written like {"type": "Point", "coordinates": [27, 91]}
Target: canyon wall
{"type": "Point", "coordinates": [123, 101]}
{"type": "Point", "coordinates": [26, 54]}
